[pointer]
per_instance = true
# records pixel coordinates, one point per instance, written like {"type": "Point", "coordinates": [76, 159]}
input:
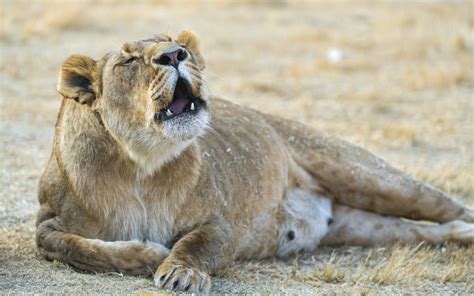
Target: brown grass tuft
{"type": "Point", "coordinates": [330, 272]}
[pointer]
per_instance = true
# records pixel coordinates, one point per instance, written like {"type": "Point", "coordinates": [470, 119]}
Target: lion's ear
{"type": "Point", "coordinates": [190, 41]}
{"type": "Point", "coordinates": [77, 79]}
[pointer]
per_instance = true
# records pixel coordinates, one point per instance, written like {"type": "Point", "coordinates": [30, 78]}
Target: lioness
{"type": "Point", "coordinates": [148, 172]}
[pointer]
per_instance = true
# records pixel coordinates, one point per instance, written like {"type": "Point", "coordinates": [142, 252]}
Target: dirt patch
{"type": "Point", "coordinates": [395, 77]}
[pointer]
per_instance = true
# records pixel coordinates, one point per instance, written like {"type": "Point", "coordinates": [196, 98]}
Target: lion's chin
{"type": "Point", "coordinates": [187, 126]}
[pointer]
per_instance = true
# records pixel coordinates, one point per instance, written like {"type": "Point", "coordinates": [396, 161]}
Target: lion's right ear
{"type": "Point", "coordinates": [77, 79]}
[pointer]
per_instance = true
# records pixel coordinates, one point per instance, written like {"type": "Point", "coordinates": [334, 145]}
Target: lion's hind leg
{"type": "Point", "coordinates": [357, 227]}
{"type": "Point", "coordinates": [359, 179]}
{"type": "Point", "coordinates": [94, 255]}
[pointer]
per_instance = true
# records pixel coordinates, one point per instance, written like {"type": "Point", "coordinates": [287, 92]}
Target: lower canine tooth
{"type": "Point", "coordinates": [168, 112]}
{"type": "Point", "coordinates": [192, 106]}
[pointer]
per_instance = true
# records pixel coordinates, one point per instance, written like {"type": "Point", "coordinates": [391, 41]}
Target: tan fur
{"type": "Point", "coordinates": [126, 192]}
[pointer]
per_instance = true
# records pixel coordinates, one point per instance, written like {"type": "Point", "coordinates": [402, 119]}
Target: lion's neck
{"type": "Point", "coordinates": [151, 161]}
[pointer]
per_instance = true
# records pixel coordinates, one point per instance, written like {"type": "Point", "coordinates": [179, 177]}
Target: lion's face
{"type": "Point", "coordinates": [149, 94]}
{"type": "Point", "coordinates": [156, 86]}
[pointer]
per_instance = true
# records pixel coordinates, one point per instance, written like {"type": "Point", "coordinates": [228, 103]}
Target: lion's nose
{"type": "Point", "coordinates": [172, 58]}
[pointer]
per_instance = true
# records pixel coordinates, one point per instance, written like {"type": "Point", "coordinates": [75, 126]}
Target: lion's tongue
{"type": "Point", "coordinates": [178, 104]}
{"type": "Point", "coordinates": [180, 98]}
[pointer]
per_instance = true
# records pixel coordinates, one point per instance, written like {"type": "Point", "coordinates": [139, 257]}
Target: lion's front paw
{"type": "Point", "coordinates": [176, 277]}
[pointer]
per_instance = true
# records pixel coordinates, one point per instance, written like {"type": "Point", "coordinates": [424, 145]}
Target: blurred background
{"type": "Point", "coordinates": [393, 76]}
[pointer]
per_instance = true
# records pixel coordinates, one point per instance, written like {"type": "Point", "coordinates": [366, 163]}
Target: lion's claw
{"type": "Point", "coordinates": [181, 278]}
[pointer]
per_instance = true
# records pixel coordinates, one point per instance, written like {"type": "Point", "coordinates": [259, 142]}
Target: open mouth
{"type": "Point", "coordinates": [184, 102]}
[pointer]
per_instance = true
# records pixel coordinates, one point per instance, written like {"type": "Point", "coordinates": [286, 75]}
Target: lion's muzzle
{"type": "Point", "coordinates": [184, 102]}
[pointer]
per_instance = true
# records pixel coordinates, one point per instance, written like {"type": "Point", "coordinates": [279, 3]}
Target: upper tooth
{"type": "Point", "coordinates": [168, 112]}
{"type": "Point", "coordinates": [192, 106]}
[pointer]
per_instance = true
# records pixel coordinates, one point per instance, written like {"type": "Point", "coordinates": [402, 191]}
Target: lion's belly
{"type": "Point", "coordinates": [258, 173]}
{"type": "Point", "coordinates": [306, 220]}
{"type": "Point", "coordinates": [298, 224]}
{"type": "Point", "coordinates": [260, 238]}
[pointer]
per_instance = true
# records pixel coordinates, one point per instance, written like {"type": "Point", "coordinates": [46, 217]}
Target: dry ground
{"type": "Point", "coordinates": [403, 89]}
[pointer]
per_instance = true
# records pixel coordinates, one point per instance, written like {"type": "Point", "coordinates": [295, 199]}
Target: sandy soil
{"type": "Point", "coordinates": [395, 77]}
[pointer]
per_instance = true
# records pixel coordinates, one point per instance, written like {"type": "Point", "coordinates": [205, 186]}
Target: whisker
{"type": "Point", "coordinates": [194, 71]}
{"type": "Point", "coordinates": [153, 83]}
{"type": "Point", "coordinates": [192, 66]}
{"type": "Point", "coordinates": [157, 90]}
{"type": "Point", "coordinates": [197, 77]}
{"type": "Point", "coordinates": [212, 76]}
{"type": "Point", "coordinates": [157, 79]}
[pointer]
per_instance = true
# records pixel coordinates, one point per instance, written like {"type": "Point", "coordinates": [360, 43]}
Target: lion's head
{"type": "Point", "coordinates": [149, 94]}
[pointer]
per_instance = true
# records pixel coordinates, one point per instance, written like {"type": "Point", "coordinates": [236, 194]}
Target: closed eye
{"type": "Point", "coordinates": [129, 61]}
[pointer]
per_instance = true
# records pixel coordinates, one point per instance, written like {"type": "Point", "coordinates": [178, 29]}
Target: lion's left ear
{"type": "Point", "coordinates": [77, 79]}
{"type": "Point", "coordinates": [189, 40]}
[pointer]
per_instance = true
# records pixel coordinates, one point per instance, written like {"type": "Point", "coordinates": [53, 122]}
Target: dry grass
{"type": "Point", "coordinates": [403, 87]}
